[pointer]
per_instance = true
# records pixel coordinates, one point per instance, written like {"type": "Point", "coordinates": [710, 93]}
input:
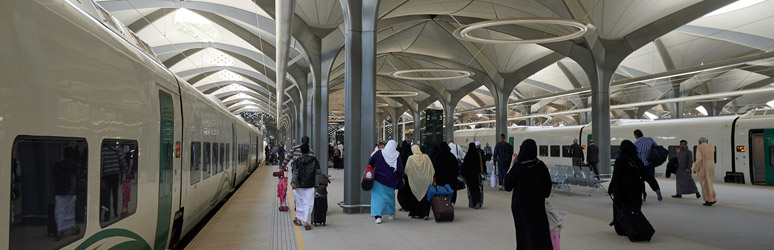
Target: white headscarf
{"type": "Point", "coordinates": [391, 154]}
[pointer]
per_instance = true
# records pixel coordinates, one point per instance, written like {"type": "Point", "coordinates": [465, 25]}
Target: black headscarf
{"type": "Point", "coordinates": [405, 152]}
{"type": "Point", "coordinates": [628, 148]}
{"type": "Point", "coordinates": [527, 151]}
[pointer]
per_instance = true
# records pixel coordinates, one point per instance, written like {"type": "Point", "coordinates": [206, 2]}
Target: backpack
{"type": "Point", "coordinates": [658, 155]}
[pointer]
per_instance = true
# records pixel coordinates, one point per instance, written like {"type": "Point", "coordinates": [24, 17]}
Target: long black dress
{"type": "Point", "coordinates": [445, 165]}
{"type": "Point", "coordinates": [626, 185]}
{"type": "Point", "coordinates": [471, 170]}
{"type": "Point", "coordinates": [531, 184]}
{"type": "Point", "coordinates": [406, 198]}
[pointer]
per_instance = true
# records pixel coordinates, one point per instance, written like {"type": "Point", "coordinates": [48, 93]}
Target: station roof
{"type": "Point", "coordinates": [226, 49]}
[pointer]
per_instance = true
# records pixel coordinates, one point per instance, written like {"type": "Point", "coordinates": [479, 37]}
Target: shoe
{"type": "Point", "coordinates": [677, 196]}
{"type": "Point", "coordinates": [698, 195]}
{"type": "Point", "coordinates": [308, 227]}
{"type": "Point", "coordinates": [297, 222]}
{"type": "Point", "coordinates": [713, 203]}
{"type": "Point", "coordinates": [378, 220]}
{"type": "Point", "coordinates": [707, 204]}
{"type": "Point", "coordinates": [427, 217]}
{"type": "Point", "coordinates": [391, 217]}
{"type": "Point", "coordinates": [658, 192]}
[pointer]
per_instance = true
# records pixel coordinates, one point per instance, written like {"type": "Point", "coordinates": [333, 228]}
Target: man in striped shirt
{"type": "Point", "coordinates": [295, 152]}
{"type": "Point", "coordinates": [644, 144]}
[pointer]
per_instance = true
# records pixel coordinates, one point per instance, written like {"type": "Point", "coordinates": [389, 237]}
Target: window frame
{"type": "Point", "coordinates": [196, 160]}
{"type": "Point", "coordinates": [206, 157]}
{"type": "Point", "coordinates": [136, 178]}
{"type": "Point", "coordinates": [543, 150]}
{"type": "Point", "coordinates": [555, 148]}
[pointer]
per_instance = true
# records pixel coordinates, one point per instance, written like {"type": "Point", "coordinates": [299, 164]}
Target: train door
{"type": "Point", "coordinates": [166, 163]}
{"type": "Point", "coordinates": [762, 157]}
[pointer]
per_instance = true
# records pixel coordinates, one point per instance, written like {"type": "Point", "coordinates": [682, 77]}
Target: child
{"type": "Point", "coordinates": [555, 220]}
{"type": "Point", "coordinates": [282, 191]}
{"type": "Point", "coordinates": [126, 191]}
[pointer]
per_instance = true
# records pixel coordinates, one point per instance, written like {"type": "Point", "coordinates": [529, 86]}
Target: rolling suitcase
{"type": "Point", "coordinates": [634, 224]}
{"type": "Point", "coordinates": [442, 208]}
{"type": "Point", "coordinates": [320, 210]}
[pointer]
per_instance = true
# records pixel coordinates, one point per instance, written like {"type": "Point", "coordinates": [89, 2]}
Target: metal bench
{"type": "Point", "coordinates": [592, 180]}
{"type": "Point", "coordinates": [559, 179]}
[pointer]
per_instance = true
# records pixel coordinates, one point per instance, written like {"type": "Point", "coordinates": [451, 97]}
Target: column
{"type": "Point", "coordinates": [417, 127]}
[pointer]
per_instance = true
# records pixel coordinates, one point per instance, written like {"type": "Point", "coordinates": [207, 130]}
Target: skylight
{"type": "Point", "coordinates": [770, 103]}
{"type": "Point", "coordinates": [701, 110]}
{"type": "Point", "coordinates": [650, 115]}
{"type": "Point", "coordinates": [215, 57]}
{"type": "Point", "coordinates": [229, 75]}
{"type": "Point", "coordinates": [741, 4]}
{"type": "Point", "coordinates": [195, 26]}
{"type": "Point", "coordinates": [236, 87]}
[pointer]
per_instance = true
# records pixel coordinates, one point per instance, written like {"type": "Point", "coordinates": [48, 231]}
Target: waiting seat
{"type": "Point", "coordinates": [560, 180]}
{"type": "Point", "coordinates": [593, 182]}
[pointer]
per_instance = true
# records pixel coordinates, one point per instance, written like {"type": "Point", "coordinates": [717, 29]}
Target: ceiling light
{"type": "Point", "coordinates": [463, 33]}
{"type": "Point", "coordinates": [770, 103]}
{"type": "Point", "coordinates": [455, 73]}
{"type": "Point", "coordinates": [396, 93]}
{"type": "Point", "coordinates": [229, 75]}
{"type": "Point", "coordinates": [702, 110]}
{"type": "Point", "coordinates": [741, 4]}
{"type": "Point", "coordinates": [650, 115]}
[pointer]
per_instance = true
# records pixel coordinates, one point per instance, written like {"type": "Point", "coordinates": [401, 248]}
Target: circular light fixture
{"type": "Point", "coordinates": [455, 73]}
{"type": "Point", "coordinates": [381, 105]}
{"type": "Point", "coordinates": [463, 33]}
{"type": "Point", "coordinates": [395, 93]}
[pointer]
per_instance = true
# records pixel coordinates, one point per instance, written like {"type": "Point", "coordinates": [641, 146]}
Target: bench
{"type": "Point", "coordinates": [564, 176]}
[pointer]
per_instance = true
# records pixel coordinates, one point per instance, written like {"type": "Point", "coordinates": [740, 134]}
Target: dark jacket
{"type": "Point", "coordinates": [577, 151]}
{"type": "Point", "coordinates": [305, 170]}
{"type": "Point", "coordinates": [592, 153]}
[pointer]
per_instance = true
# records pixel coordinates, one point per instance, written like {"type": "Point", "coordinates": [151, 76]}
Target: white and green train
{"type": "Point", "coordinates": [101, 146]}
{"type": "Point", "coordinates": [744, 144]}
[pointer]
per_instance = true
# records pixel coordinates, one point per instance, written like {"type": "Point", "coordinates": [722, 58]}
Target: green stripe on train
{"type": "Point", "coordinates": [223, 180]}
{"type": "Point", "coordinates": [137, 242]}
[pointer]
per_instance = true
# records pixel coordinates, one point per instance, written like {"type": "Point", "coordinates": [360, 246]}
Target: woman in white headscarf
{"type": "Point", "coordinates": [420, 173]}
{"type": "Point", "coordinates": [388, 176]}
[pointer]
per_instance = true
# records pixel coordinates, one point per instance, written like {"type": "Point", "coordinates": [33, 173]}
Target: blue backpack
{"type": "Point", "coordinates": [444, 190]}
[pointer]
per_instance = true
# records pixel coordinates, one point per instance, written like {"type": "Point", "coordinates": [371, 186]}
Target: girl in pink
{"type": "Point", "coordinates": [282, 191]}
{"type": "Point", "coordinates": [126, 190]}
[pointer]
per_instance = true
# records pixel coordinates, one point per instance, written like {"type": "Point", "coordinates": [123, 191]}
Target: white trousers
{"type": "Point", "coordinates": [304, 199]}
{"type": "Point", "coordinates": [64, 206]}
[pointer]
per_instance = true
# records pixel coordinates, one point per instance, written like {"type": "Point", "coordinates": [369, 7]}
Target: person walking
{"type": "Point", "coordinates": [530, 182]}
{"type": "Point", "coordinates": [456, 150]}
{"type": "Point", "coordinates": [704, 167]}
{"type": "Point", "coordinates": [502, 159]}
{"type": "Point", "coordinates": [626, 185]}
{"type": "Point", "coordinates": [406, 198]}
{"type": "Point", "coordinates": [388, 176]}
{"type": "Point", "coordinates": [685, 183]}
{"type": "Point", "coordinates": [592, 156]}
{"type": "Point", "coordinates": [577, 153]}
{"type": "Point", "coordinates": [487, 152]}
{"type": "Point", "coordinates": [644, 145]}
{"type": "Point", "coordinates": [445, 168]}
{"type": "Point", "coordinates": [305, 169]}
{"type": "Point", "coordinates": [472, 167]}
{"type": "Point", "coordinates": [419, 173]}
{"type": "Point", "coordinates": [295, 152]}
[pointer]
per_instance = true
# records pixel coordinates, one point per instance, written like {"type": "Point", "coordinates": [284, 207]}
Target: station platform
{"type": "Point", "coordinates": [743, 218]}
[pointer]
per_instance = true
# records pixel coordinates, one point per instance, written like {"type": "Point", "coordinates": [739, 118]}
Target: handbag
{"type": "Point", "coordinates": [368, 178]}
{"type": "Point", "coordinates": [493, 181]}
{"type": "Point", "coordinates": [460, 185]}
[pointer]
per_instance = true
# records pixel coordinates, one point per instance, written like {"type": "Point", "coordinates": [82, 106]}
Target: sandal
{"type": "Point", "coordinates": [297, 222]}
{"type": "Point", "coordinates": [308, 227]}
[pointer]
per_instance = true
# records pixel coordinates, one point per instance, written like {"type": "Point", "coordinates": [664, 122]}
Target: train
{"type": "Point", "coordinates": [744, 143]}
{"type": "Point", "coordinates": [101, 146]}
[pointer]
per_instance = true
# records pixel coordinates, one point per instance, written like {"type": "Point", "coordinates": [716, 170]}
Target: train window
{"type": "Point", "coordinates": [215, 167]}
{"type": "Point", "coordinates": [615, 150]}
{"type": "Point", "coordinates": [228, 155]}
{"type": "Point", "coordinates": [48, 192]}
{"type": "Point", "coordinates": [222, 156]}
{"type": "Point", "coordinates": [771, 155]}
{"type": "Point", "coordinates": [206, 171]}
{"type": "Point", "coordinates": [543, 150]}
{"type": "Point", "coordinates": [567, 151]}
{"type": "Point", "coordinates": [715, 154]}
{"type": "Point", "coordinates": [118, 180]}
{"type": "Point", "coordinates": [196, 162]}
{"type": "Point", "coordinates": [555, 150]}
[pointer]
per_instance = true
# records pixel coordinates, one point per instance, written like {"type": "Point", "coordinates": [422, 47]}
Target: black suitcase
{"type": "Point", "coordinates": [442, 208]}
{"type": "Point", "coordinates": [320, 210]}
{"type": "Point", "coordinates": [634, 224]}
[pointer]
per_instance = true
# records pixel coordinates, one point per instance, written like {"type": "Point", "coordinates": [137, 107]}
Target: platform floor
{"type": "Point", "coordinates": [743, 218]}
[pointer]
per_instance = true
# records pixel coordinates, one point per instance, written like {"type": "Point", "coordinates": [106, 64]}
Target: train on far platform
{"type": "Point", "coordinates": [101, 146]}
{"type": "Point", "coordinates": [744, 143]}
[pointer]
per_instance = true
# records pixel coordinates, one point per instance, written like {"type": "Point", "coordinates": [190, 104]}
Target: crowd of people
{"type": "Point", "coordinates": [409, 171]}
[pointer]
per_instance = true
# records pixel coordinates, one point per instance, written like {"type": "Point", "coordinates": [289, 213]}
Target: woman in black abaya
{"type": "Point", "coordinates": [406, 198]}
{"type": "Point", "coordinates": [529, 179]}
{"type": "Point", "coordinates": [626, 185]}
{"type": "Point", "coordinates": [471, 169]}
{"type": "Point", "coordinates": [446, 169]}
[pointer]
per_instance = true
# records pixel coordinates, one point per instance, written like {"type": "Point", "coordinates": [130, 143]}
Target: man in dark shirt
{"type": "Point", "coordinates": [592, 156]}
{"type": "Point", "coordinates": [502, 159]}
{"type": "Point", "coordinates": [577, 153]}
